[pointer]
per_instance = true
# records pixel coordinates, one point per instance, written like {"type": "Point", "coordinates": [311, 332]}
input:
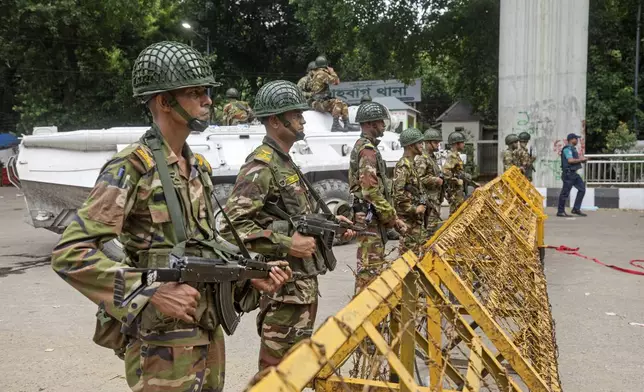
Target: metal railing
{"type": "Point", "coordinates": [615, 169]}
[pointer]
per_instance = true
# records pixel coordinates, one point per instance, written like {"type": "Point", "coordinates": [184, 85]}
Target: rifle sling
{"type": "Point", "coordinates": [321, 205]}
{"type": "Point", "coordinates": [154, 139]}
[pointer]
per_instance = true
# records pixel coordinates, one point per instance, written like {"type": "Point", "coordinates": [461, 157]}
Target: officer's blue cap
{"type": "Point", "coordinates": [573, 136]}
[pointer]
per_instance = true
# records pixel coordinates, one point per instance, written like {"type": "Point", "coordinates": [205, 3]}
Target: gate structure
{"type": "Point", "coordinates": [467, 312]}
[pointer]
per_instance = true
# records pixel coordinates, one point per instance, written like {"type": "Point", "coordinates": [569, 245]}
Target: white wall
{"type": "Point", "coordinates": [542, 77]}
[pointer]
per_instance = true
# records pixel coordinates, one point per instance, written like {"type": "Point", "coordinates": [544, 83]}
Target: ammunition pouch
{"type": "Point", "coordinates": [360, 205]}
{"type": "Point", "coordinates": [108, 333]}
{"type": "Point", "coordinates": [309, 267]}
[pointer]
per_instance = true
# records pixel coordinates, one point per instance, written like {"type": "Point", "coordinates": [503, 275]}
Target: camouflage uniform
{"type": "Point", "coordinates": [508, 159]}
{"type": "Point", "coordinates": [128, 203]}
{"type": "Point", "coordinates": [453, 168]}
{"type": "Point", "coordinates": [322, 101]}
{"type": "Point", "coordinates": [287, 316]}
{"type": "Point", "coordinates": [428, 172]}
{"type": "Point", "coordinates": [406, 185]}
{"type": "Point", "coordinates": [237, 112]}
{"type": "Point", "coordinates": [524, 161]}
{"type": "Point", "coordinates": [269, 191]}
{"type": "Point", "coordinates": [368, 178]}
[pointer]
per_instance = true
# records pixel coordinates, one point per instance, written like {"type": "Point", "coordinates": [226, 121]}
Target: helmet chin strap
{"type": "Point", "coordinates": [298, 135]}
{"type": "Point", "coordinates": [194, 124]}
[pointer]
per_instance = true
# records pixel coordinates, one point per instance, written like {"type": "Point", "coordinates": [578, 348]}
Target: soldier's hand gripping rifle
{"type": "Point", "coordinates": [220, 272]}
{"type": "Point", "coordinates": [325, 227]}
{"type": "Point", "coordinates": [467, 180]}
{"type": "Point", "coordinates": [419, 198]}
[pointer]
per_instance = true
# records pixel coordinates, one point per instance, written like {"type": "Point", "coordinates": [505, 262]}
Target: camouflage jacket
{"type": "Point", "coordinates": [268, 177]}
{"type": "Point", "coordinates": [320, 81]}
{"type": "Point", "coordinates": [522, 158]}
{"type": "Point", "coordinates": [128, 203]}
{"type": "Point", "coordinates": [452, 170]}
{"type": "Point", "coordinates": [408, 190]}
{"type": "Point", "coordinates": [237, 112]}
{"type": "Point", "coordinates": [304, 85]}
{"type": "Point", "coordinates": [428, 171]}
{"type": "Point", "coordinates": [368, 178]}
{"type": "Point", "coordinates": [509, 159]}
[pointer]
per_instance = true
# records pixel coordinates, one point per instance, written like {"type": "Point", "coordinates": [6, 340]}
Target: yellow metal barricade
{"type": "Point", "coordinates": [467, 312]}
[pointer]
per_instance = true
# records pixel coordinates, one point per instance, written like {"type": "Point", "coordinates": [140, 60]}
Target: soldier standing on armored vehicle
{"type": "Point", "coordinates": [524, 158]}
{"type": "Point", "coordinates": [410, 200]}
{"type": "Point", "coordinates": [236, 112]}
{"type": "Point", "coordinates": [269, 191]}
{"type": "Point", "coordinates": [323, 76]}
{"type": "Point", "coordinates": [431, 178]}
{"type": "Point", "coordinates": [155, 197]}
{"type": "Point", "coordinates": [371, 192]}
{"type": "Point", "coordinates": [509, 155]}
{"type": "Point", "coordinates": [305, 82]}
{"type": "Point", "coordinates": [454, 172]}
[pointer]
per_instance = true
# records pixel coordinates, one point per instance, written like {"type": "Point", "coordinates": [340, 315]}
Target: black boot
{"type": "Point", "coordinates": [336, 125]}
{"type": "Point", "coordinates": [578, 212]}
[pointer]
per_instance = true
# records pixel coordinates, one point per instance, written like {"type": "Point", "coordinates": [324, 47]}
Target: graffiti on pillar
{"type": "Point", "coordinates": [553, 166]}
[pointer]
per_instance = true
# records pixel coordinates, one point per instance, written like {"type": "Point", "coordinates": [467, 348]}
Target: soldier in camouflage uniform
{"type": "Point", "coordinates": [371, 191]}
{"type": "Point", "coordinates": [322, 77]}
{"type": "Point", "coordinates": [454, 172]}
{"type": "Point", "coordinates": [269, 191]}
{"type": "Point", "coordinates": [305, 82]}
{"type": "Point", "coordinates": [236, 112]}
{"type": "Point", "coordinates": [509, 157]}
{"type": "Point", "coordinates": [365, 98]}
{"type": "Point", "coordinates": [174, 339]}
{"type": "Point", "coordinates": [430, 177]}
{"type": "Point", "coordinates": [410, 200]}
{"type": "Point", "coordinates": [523, 157]}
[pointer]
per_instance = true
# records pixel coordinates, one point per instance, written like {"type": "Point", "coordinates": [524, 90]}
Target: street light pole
{"type": "Point", "coordinates": [187, 26]}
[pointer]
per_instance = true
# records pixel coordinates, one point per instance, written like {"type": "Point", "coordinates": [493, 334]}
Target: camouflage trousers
{"type": "Point", "coordinates": [336, 107]}
{"type": "Point", "coordinates": [370, 257]}
{"type": "Point", "coordinates": [281, 326]}
{"type": "Point", "coordinates": [150, 368]}
{"type": "Point", "coordinates": [414, 237]}
{"type": "Point", "coordinates": [455, 197]}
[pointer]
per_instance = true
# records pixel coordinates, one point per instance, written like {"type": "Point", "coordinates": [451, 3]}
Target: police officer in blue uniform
{"type": "Point", "coordinates": [570, 163]}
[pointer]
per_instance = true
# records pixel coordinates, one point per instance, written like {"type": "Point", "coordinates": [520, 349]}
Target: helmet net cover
{"type": "Point", "coordinates": [410, 136]}
{"type": "Point", "coordinates": [524, 136]}
{"type": "Point", "coordinates": [371, 111]}
{"type": "Point", "coordinates": [433, 135]}
{"type": "Point", "coordinates": [511, 138]}
{"type": "Point", "coordinates": [232, 93]}
{"type": "Point", "coordinates": [168, 65]}
{"type": "Point", "coordinates": [455, 137]}
{"type": "Point", "coordinates": [278, 96]}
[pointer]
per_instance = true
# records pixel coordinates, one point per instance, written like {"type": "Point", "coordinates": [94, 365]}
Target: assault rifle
{"type": "Point", "coordinates": [325, 227]}
{"type": "Point", "coordinates": [421, 199]}
{"type": "Point", "coordinates": [219, 272]}
{"type": "Point", "coordinates": [467, 180]}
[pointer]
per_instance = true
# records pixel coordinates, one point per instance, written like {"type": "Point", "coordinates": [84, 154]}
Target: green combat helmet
{"type": "Point", "coordinates": [166, 66]}
{"type": "Point", "coordinates": [455, 137]}
{"type": "Point", "coordinates": [310, 67]}
{"type": "Point", "coordinates": [278, 97]}
{"type": "Point", "coordinates": [511, 138]}
{"type": "Point", "coordinates": [371, 111]}
{"type": "Point", "coordinates": [433, 135]}
{"type": "Point", "coordinates": [232, 93]}
{"type": "Point", "coordinates": [524, 137]}
{"type": "Point", "coordinates": [320, 62]}
{"type": "Point", "coordinates": [410, 136]}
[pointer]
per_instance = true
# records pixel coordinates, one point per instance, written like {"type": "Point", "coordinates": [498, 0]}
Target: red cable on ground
{"type": "Point", "coordinates": [574, 252]}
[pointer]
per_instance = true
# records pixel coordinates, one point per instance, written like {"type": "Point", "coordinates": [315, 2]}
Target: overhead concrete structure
{"type": "Point", "coordinates": [543, 54]}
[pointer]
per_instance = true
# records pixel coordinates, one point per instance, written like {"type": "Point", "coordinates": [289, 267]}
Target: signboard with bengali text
{"type": "Point", "coordinates": [351, 92]}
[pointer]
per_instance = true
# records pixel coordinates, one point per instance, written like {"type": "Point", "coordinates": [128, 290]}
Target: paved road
{"type": "Point", "coordinates": [46, 327]}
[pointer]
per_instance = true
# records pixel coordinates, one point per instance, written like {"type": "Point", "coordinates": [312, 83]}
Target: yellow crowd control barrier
{"type": "Point", "coordinates": [467, 312]}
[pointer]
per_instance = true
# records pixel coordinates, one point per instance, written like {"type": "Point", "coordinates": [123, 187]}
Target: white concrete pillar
{"type": "Point", "coordinates": [543, 53]}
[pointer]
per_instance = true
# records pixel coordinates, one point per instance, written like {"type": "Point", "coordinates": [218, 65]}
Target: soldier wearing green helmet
{"type": "Point", "coordinates": [371, 191]}
{"type": "Point", "coordinates": [431, 178]}
{"type": "Point", "coordinates": [454, 172]}
{"type": "Point", "coordinates": [509, 157]}
{"type": "Point", "coordinates": [154, 196]}
{"type": "Point", "coordinates": [410, 200]}
{"type": "Point", "coordinates": [305, 82]}
{"type": "Point", "coordinates": [270, 190]}
{"type": "Point", "coordinates": [523, 158]}
{"type": "Point", "coordinates": [235, 111]}
{"type": "Point", "coordinates": [322, 77]}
